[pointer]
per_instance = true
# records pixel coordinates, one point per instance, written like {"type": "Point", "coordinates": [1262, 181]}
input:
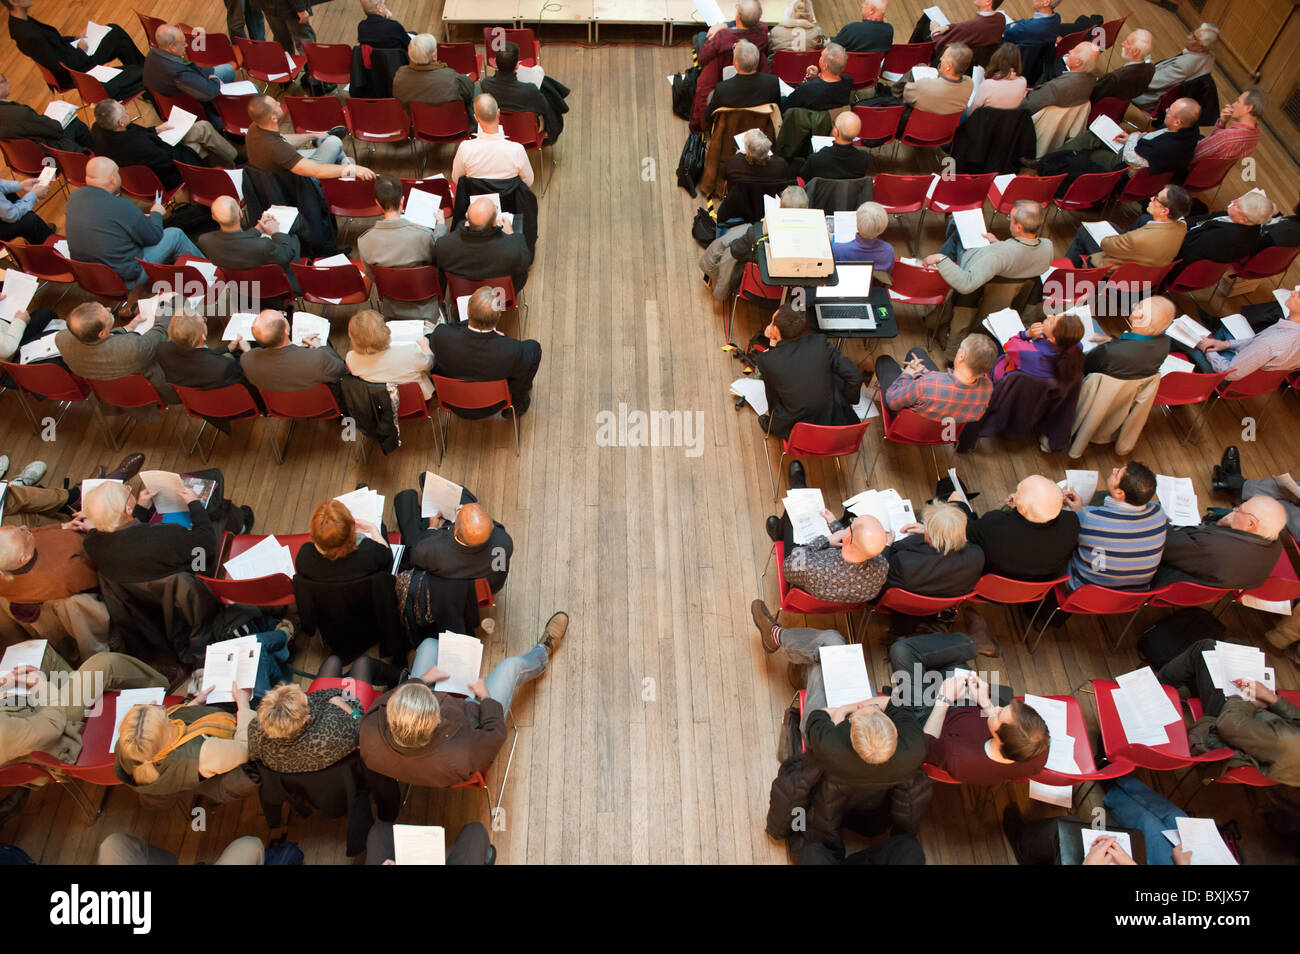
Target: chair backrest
{"type": "Point", "coordinates": [1113, 106]}
{"type": "Point", "coordinates": [792, 65]}
{"type": "Point", "coordinates": [411, 404]}
{"type": "Point", "coordinates": [1198, 274]}
{"type": "Point", "coordinates": [41, 261]}
{"type": "Point", "coordinates": [753, 289]}
{"type": "Point", "coordinates": [231, 401]}
{"type": "Point", "coordinates": [205, 185]}
{"type": "Point", "coordinates": [903, 56]}
{"type": "Point", "coordinates": [166, 103]}
{"type": "Point", "coordinates": [961, 191]}
{"type": "Point", "coordinates": [233, 111]}
{"type": "Point", "coordinates": [378, 120]}
{"type": "Point", "coordinates": [821, 440]}
{"type": "Point", "coordinates": [407, 284]}
{"type": "Point", "coordinates": [49, 381]}
{"type": "Point", "coordinates": [214, 50]}
{"type": "Point", "coordinates": [1068, 42]}
{"type": "Point", "coordinates": [23, 156]}
{"type": "Point", "coordinates": [1187, 593]}
{"type": "Point", "coordinates": [899, 600]}
{"type": "Point", "coordinates": [1131, 278]}
{"type": "Point", "coordinates": [141, 182]}
{"type": "Point", "coordinates": [900, 194]}
{"type": "Point", "coordinates": [1001, 589]}
{"type": "Point", "coordinates": [461, 57]}
{"type": "Point", "coordinates": [72, 165]}
{"type": "Point", "coordinates": [523, 128]}
{"type": "Point", "coordinates": [1068, 285]}
{"type": "Point", "coordinates": [128, 391]}
{"type": "Point", "coordinates": [864, 68]}
{"type": "Point", "coordinates": [309, 403]}
{"type": "Point", "coordinates": [89, 89]}
{"type": "Point", "coordinates": [315, 114]}
{"type": "Point", "coordinates": [443, 188]}
{"type": "Point", "coordinates": [1186, 387]}
{"type": "Point", "coordinates": [1166, 99]}
{"type": "Point", "coordinates": [273, 590]}
{"type": "Point", "coordinates": [1098, 600]}
{"type": "Point", "coordinates": [909, 427]}
{"type": "Point", "coordinates": [267, 61]}
{"type": "Point", "coordinates": [1089, 190]}
{"type": "Point", "coordinates": [270, 281]}
{"type": "Point", "coordinates": [915, 285]}
{"type": "Point", "coordinates": [1038, 189]}
{"type": "Point", "coordinates": [444, 122]}
{"type": "Point", "coordinates": [351, 198]}
{"type": "Point", "coordinates": [1268, 262]}
{"type": "Point", "coordinates": [1254, 384]}
{"type": "Point", "coordinates": [99, 279]}
{"type": "Point", "coordinates": [495, 38]}
{"type": "Point", "coordinates": [150, 26]}
{"type": "Point", "coordinates": [1207, 174]}
{"type": "Point", "coordinates": [1283, 583]}
{"type": "Point", "coordinates": [1110, 30]}
{"type": "Point", "coordinates": [1143, 185]}
{"type": "Point", "coordinates": [179, 276]}
{"type": "Point", "coordinates": [332, 284]}
{"type": "Point", "coordinates": [930, 129]}
{"type": "Point", "coordinates": [332, 62]}
{"type": "Point", "coordinates": [471, 395]}
{"type": "Point", "coordinates": [879, 122]}
{"type": "Point", "coordinates": [458, 287]}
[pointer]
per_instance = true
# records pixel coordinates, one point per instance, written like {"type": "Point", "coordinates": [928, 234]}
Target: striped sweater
{"type": "Point", "coordinates": [1119, 545]}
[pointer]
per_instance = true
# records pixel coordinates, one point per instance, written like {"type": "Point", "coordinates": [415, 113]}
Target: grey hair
{"type": "Point", "coordinates": [794, 198]}
{"type": "Point", "coordinates": [757, 146]}
{"type": "Point", "coordinates": [423, 49]}
{"type": "Point", "coordinates": [1256, 207]}
{"type": "Point", "coordinates": [744, 56]}
{"type": "Point", "coordinates": [837, 58]}
{"type": "Point", "coordinates": [872, 220]}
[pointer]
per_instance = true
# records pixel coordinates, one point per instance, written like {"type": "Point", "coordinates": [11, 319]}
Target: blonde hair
{"type": "Point", "coordinates": [146, 731]}
{"type": "Point", "coordinates": [945, 527]}
{"type": "Point", "coordinates": [105, 507]}
{"type": "Point", "coordinates": [412, 714]}
{"type": "Point", "coordinates": [187, 329]}
{"type": "Point", "coordinates": [873, 735]}
{"type": "Point", "coordinates": [369, 333]}
{"type": "Point", "coordinates": [283, 711]}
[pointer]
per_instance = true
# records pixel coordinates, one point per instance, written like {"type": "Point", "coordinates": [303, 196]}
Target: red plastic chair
{"type": "Point", "coordinates": [443, 188]}
{"type": "Point", "coordinates": [142, 183]}
{"type": "Point", "coordinates": [914, 285]}
{"type": "Point", "coordinates": [180, 276]}
{"type": "Point", "coordinates": [42, 261]}
{"type": "Point", "coordinates": [205, 184]}
{"type": "Point", "coordinates": [1198, 275]}
{"type": "Point", "coordinates": [351, 199]}
{"type": "Point", "coordinates": [1165, 101]}
{"type": "Point", "coordinates": [273, 590]}
{"type": "Point", "coordinates": [1180, 388]}
{"type": "Point", "coordinates": [267, 62]}
{"type": "Point", "coordinates": [1253, 385]}
{"type": "Point", "coordinates": [100, 280]}
{"type": "Point", "coordinates": [1092, 600]}
{"type": "Point", "coordinates": [379, 120]}
{"type": "Point", "coordinates": [315, 114]}
{"type": "Point", "coordinates": [1143, 185]}
{"type": "Point", "coordinates": [331, 62]}
{"type": "Point", "coordinates": [526, 129]}
{"type": "Point", "coordinates": [1186, 593]}
{"type": "Point", "coordinates": [1089, 191]}
{"type": "Point", "coordinates": [992, 588]}
{"type": "Point", "coordinates": [150, 26]}
{"type": "Point", "coordinates": [1169, 756]}
{"type": "Point", "coordinates": [233, 111]}
{"type": "Point", "coordinates": [898, 600]}
{"type": "Point", "coordinates": [900, 195]}
{"type": "Point", "coordinates": [1208, 174]}
{"type": "Point", "coordinates": [1130, 278]}
{"type": "Point", "coordinates": [927, 130]}
{"type": "Point", "coordinates": [908, 427]}
{"type": "Point", "coordinates": [820, 440]}
{"type": "Point", "coordinates": [1243, 774]}
{"type": "Point", "coordinates": [311, 404]}
{"type": "Point", "coordinates": [92, 90]}
{"type": "Point", "coordinates": [215, 50]}
{"type": "Point", "coordinates": [411, 406]}
{"type": "Point", "coordinates": [903, 56]}
{"type": "Point", "coordinates": [1269, 262]}
{"type": "Point", "coordinates": [232, 402]}
{"type": "Point", "coordinates": [334, 284]}
{"type": "Point", "coordinates": [1084, 760]}
{"type": "Point", "coordinates": [265, 282]}
{"type": "Point", "coordinates": [178, 100]}
{"type": "Point", "coordinates": [51, 83]}
{"type": "Point", "coordinates": [1113, 106]}
{"type": "Point", "coordinates": [24, 157]}
{"type": "Point", "coordinates": [1039, 189]}
{"type": "Point", "coordinates": [46, 382]}
{"type": "Point", "coordinates": [494, 37]}
{"type": "Point", "coordinates": [416, 284]}
{"type": "Point", "coordinates": [794, 600]}
{"type": "Point", "coordinates": [879, 123]}
{"type": "Point", "coordinates": [462, 58]}
{"type": "Point", "coordinates": [1065, 286]}
{"type": "Point", "coordinates": [864, 68]}
{"type": "Point", "coordinates": [792, 66]}
{"type": "Point", "coordinates": [445, 122]}
{"type": "Point", "coordinates": [127, 392]}
{"type": "Point", "coordinates": [1068, 42]}
{"type": "Point", "coordinates": [1110, 31]}
{"type": "Point", "coordinates": [458, 287]}
{"type": "Point", "coordinates": [1283, 583]}
{"type": "Point", "coordinates": [454, 393]}
{"type": "Point", "coordinates": [752, 290]}
{"type": "Point", "coordinates": [72, 166]}
{"type": "Point", "coordinates": [956, 193]}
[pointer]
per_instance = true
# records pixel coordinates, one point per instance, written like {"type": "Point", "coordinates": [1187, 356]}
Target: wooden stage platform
{"type": "Point", "coordinates": [664, 14]}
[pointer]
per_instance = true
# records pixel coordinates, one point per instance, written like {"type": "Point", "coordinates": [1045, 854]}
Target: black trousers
{"type": "Point", "coordinates": [896, 850]}
{"type": "Point", "coordinates": [1188, 670]}
{"type": "Point", "coordinates": [470, 848]}
{"type": "Point", "coordinates": [30, 227]}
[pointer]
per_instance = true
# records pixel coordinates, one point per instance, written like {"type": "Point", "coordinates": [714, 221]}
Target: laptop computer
{"type": "Point", "coordinates": [845, 306]}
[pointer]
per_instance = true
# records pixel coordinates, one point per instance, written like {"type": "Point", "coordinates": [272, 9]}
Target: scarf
{"type": "Point", "coordinates": [216, 725]}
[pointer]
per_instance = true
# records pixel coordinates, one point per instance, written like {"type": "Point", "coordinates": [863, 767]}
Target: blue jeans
{"type": "Point", "coordinates": [1133, 805]}
{"type": "Point", "coordinates": [329, 151]}
{"type": "Point", "coordinates": [507, 676]}
{"type": "Point", "coordinates": [225, 72]}
{"type": "Point", "coordinates": [174, 243]}
{"type": "Point", "coordinates": [952, 246]}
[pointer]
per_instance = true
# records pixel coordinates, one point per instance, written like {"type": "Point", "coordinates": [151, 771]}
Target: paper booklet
{"type": "Point", "coordinates": [419, 845]}
{"type": "Point", "coordinates": [232, 661]}
{"type": "Point", "coordinates": [1106, 129]}
{"type": "Point", "coordinates": [364, 504]}
{"type": "Point", "coordinates": [19, 290]}
{"type": "Point", "coordinates": [804, 507]}
{"type": "Point", "coordinates": [461, 657]}
{"type": "Point", "coordinates": [305, 324]}
{"type": "Point", "coordinates": [265, 558]}
{"type": "Point", "coordinates": [179, 122]}
{"type": "Point", "coordinates": [844, 671]}
{"type": "Point", "coordinates": [30, 652]}
{"type": "Point", "coordinates": [166, 488]}
{"type": "Point", "coordinates": [1188, 331]}
{"type": "Point", "coordinates": [441, 497]}
{"type": "Point", "coordinates": [1004, 325]}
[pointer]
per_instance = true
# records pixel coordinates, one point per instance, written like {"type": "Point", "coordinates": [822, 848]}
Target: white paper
{"type": "Point", "coordinates": [866, 407]}
{"type": "Point", "coordinates": [844, 672]}
{"type": "Point", "coordinates": [1062, 795]}
{"type": "Point", "coordinates": [1100, 230]}
{"type": "Point", "coordinates": [39, 350]}
{"type": "Point", "coordinates": [240, 88]}
{"type": "Point", "coordinates": [305, 324]}
{"type": "Point", "coordinates": [971, 228]}
{"type": "Point", "coordinates": [462, 307]}
{"type": "Point", "coordinates": [333, 261]}
{"type": "Point", "coordinates": [1084, 483]}
{"type": "Point", "coordinates": [126, 700]}
{"type": "Point", "coordinates": [166, 488]}
{"type": "Point", "coordinates": [771, 203]}
{"type": "Point", "coordinates": [1178, 500]}
{"type": "Point", "coordinates": [1201, 837]}
{"type": "Point", "coordinates": [95, 33]}
{"type": "Point", "coordinates": [821, 142]}
{"type": "Point", "coordinates": [103, 73]}
{"type": "Point", "coordinates": [1229, 662]}
{"type": "Point", "coordinates": [441, 497]}
{"type": "Point", "coordinates": [785, 88]}
{"type": "Point", "coordinates": [1143, 707]}
{"type": "Point", "coordinates": [1090, 835]}
{"type": "Point", "coordinates": [461, 657]}
{"type": "Point", "coordinates": [1106, 129]}
{"type": "Point", "coordinates": [1175, 364]}
{"type": "Point", "coordinates": [237, 180]}
{"type": "Point", "coordinates": [61, 112]}
{"type": "Point", "coordinates": [936, 16]}
{"type": "Point", "coordinates": [240, 325]}
{"type": "Point", "coordinates": [846, 226]}
{"type": "Point", "coordinates": [61, 246]}
{"type": "Point", "coordinates": [887, 506]}
{"type": "Point", "coordinates": [232, 661]}
{"type": "Point", "coordinates": [804, 507]}
{"type": "Point", "coordinates": [284, 215]}
{"type": "Point", "coordinates": [1187, 331]}
{"type": "Point", "coordinates": [205, 268]}
{"type": "Point", "coordinates": [753, 391]}
{"type": "Point", "coordinates": [1004, 324]}
{"type": "Point", "coordinates": [179, 123]}
{"type": "Point", "coordinates": [1001, 182]}
{"type": "Point", "coordinates": [1280, 607]}
{"type": "Point", "coordinates": [30, 652]}
{"type": "Point", "coordinates": [408, 331]}
{"type": "Point", "coordinates": [419, 845]}
{"type": "Point", "coordinates": [710, 12]}
{"type": "Point", "coordinates": [267, 557]}
{"type": "Point", "coordinates": [1282, 294]}
{"type": "Point", "coordinates": [924, 72]}
{"type": "Point", "coordinates": [19, 290]}
{"type": "Point", "coordinates": [364, 504]}
{"type": "Point", "coordinates": [530, 74]}
{"type": "Point", "coordinates": [1238, 327]}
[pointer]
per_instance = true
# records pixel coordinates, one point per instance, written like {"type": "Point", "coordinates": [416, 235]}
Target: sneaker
{"type": "Point", "coordinates": [554, 632]}
{"type": "Point", "coordinates": [30, 475]}
{"type": "Point", "coordinates": [767, 626]}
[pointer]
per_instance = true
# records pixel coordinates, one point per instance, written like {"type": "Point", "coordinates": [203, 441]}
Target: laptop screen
{"type": "Point", "coordinates": [854, 282]}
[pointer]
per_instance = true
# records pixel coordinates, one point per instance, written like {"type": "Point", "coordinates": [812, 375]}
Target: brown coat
{"type": "Point", "coordinates": [1154, 244]}
{"type": "Point", "coordinates": [1268, 739]}
{"type": "Point", "coordinates": [61, 568]}
{"type": "Point", "coordinates": [1111, 409]}
{"type": "Point", "coordinates": [467, 739]}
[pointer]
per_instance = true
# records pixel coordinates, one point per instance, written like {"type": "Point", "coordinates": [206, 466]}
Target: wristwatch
{"type": "Point", "coordinates": [944, 699]}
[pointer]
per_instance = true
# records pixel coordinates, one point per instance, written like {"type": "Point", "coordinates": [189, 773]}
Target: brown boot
{"type": "Point", "coordinates": [766, 625]}
{"type": "Point", "coordinates": [796, 675]}
{"type": "Point", "coordinates": [554, 632]}
{"type": "Point", "coordinates": [973, 625]}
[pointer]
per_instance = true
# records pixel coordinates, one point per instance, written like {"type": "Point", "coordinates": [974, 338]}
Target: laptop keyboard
{"type": "Point", "coordinates": [845, 317]}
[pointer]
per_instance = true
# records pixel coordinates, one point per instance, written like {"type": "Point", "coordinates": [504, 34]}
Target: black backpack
{"type": "Point", "coordinates": [690, 167]}
{"type": "Point", "coordinates": [684, 93]}
{"type": "Point", "coordinates": [705, 228]}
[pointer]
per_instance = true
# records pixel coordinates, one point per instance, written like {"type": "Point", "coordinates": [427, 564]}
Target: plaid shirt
{"type": "Point", "coordinates": [1227, 142]}
{"type": "Point", "coordinates": [938, 395]}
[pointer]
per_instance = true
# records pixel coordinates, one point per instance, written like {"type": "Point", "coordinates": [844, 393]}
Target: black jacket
{"type": "Point", "coordinates": [138, 145]}
{"type": "Point", "coordinates": [249, 248]}
{"type": "Point", "coordinates": [866, 36]}
{"type": "Point", "coordinates": [837, 161]}
{"type": "Point", "coordinates": [343, 789]}
{"type": "Point", "coordinates": [516, 198]}
{"type": "Point", "coordinates": [1284, 231]}
{"type": "Point", "coordinates": [440, 554]}
{"type": "Point", "coordinates": [1128, 359]}
{"type": "Point", "coordinates": [1124, 83]}
{"type": "Point", "coordinates": [170, 75]}
{"type": "Point", "coordinates": [916, 566]}
{"type": "Point", "coordinates": [352, 616]}
{"type": "Point", "coordinates": [744, 90]}
{"type": "Point", "coordinates": [807, 380]}
{"type": "Point", "coordinates": [203, 368]}
{"type": "Point", "coordinates": [993, 140]}
{"type": "Point", "coordinates": [513, 95]}
{"type": "Point", "coordinates": [816, 93]}
{"type": "Point", "coordinates": [1217, 556]}
{"type": "Point", "coordinates": [314, 226]}
{"type": "Point", "coordinates": [1019, 550]}
{"type": "Point", "coordinates": [20, 121]}
{"type": "Point", "coordinates": [382, 33]}
{"type": "Point", "coordinates": [372, 408]}
{"type": "Point", "coordinates": [486, 253]}
{"type": "Point", "coordinates": [1217, 240]}
{"type": "Point", "coordinates": [1170, 151]}
{"type": "Point", "coordinates": [460, 352]}
{"type": "Point", "coordinates": [174, 615]}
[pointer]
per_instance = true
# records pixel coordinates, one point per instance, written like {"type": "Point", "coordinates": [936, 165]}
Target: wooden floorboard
{"type": "Point", "coordinates": [653, 736]}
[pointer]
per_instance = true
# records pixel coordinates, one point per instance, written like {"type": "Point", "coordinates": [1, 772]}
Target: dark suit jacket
{"type": "Point", "coordinates": [489, 253]}
{"type": "Point", "coordinates": [204, 368]}
{"type": "Point", "coordinates": [1216, 556]}
{"type": "Point", "coordinates": [743, 91]}
{"type": "Point", "coordinates": [1217, 241]}
{"type": "Point", "coordinates": [513, 95]}
{"type": "Point", "coordinates": [916, 566]}
{"type": "Point", "coordinates": [836, 161]}
{"type": "Point", "coordinates": [807, 380]}
{"type": "Point", "coordinates": [138, 145]}
{"type": "Point", "coordinates": [816, 93]}
{"type": "Point", "coordinates": [1019, 550]}
{"type": "Point", "coordinates": [439, 553]}
{"type": "Point", "coordinates": [20, 121]}
{"type": "Point", "coordinates": [44, 44]}
{"type": "Point", "coordinates": [249, 248]}
{"type": "Point", "coordinates": [1128, 359]}
{"type": "Point", "coordinates": [292, 368]}
{"type": "Point", "coordinates": [1067, 89]}
{"type": "Point", "coordinates": [866, 36]}
{"type": "Point", "coordinates": [1169, 152]}
{"type": "Point", "coordinates": [1284, 231]}
{"type": "Point", "coordinates": [470, 355]}
{"type": "Point", "coordinates": [382, 33]}
{"type": "Point", "coordinates": [1124, 83]}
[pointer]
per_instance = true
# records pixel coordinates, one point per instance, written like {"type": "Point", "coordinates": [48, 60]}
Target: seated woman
{"type": "Point", "coordinates": [23, 329]}
{"type": "Point", "coordinates": [798, 30]}
{"type": "Point", "coordinates": [933, 557]}
{"type": "Point", "coordinates": [867, 247]}
{"type": "Point", "coordinates": [341, 548]}
{"type": "Point", "coordinates": [376, 359]}
{"type": "Point", "coordinates": [1046, 349]}
{"type": "Point", "coordinates": [1003, 86]}
{"type": "Point", "coordinates": [190, 748]}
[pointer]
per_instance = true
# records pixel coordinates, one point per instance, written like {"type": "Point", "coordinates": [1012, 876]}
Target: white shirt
{"type": "Point", "coordinates": [491, 156]}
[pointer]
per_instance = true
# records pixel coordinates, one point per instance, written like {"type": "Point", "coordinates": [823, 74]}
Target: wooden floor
{"type": "Point", "coordinates": [653, 736]}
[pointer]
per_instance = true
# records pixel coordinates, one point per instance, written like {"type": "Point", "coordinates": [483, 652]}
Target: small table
{"type": "Point", "coordinates": [881, 306]}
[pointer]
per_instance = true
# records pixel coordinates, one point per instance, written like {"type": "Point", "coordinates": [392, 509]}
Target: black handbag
{"type": "Point", "coordinates": [690, 167]}
{"type": "Point", "coordinates": [705, 228]}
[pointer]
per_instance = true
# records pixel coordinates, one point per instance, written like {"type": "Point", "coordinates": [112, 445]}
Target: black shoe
{"type": "Point", "coordinates": [1013, 826]}
{"type": "Point", "coordinates": [774, 528]}
{"type": "Point", "coordinates": [339, 132]}
{"type": "Point", "coordinates": [491, 858]}
{"type": "Point", "coordinates": [1231, 461]}
{"type": "Point", "coordinates": [798, 476]}
{"type": "Point", "coordinates": [13, 803]}
{"type": "Point", "coordinates": [248, 519]}
{"type": "Point", "coordinates": [763, 420]}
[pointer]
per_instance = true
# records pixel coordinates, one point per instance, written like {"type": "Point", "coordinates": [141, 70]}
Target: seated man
{"type": "Point", "coordinates": [977, 733]}
{"type": "Point", "coordinates": [1122, 538]}
{"type": "Point", "coordinates": [1227, 236]}
{"type": "Point", "coordinates": [186, 359]}
{"type": "Point", "coordinates": [867, 247]}
{"type": "Point", "coordinates": [474, 350]}
{"type": "Point", "coordinates": [983, 29]}
{"type": "Point", "coordinates": [956, 396]}
{"type": "Point", "coordinates": [1238, 552]}
{"type": "Point", "coordinates": [870, 742]}
{"type": "Point", "coordinates": [169, 70]}
{"type": "Point", "coordinates": [1134, 76]}
{"type": "Point", "coordinates": [804, 377]}
{"type": "Point", "coordinates": [272, 151]}
{"type": "Point", "coordinates": [1169, 149]}
{"type": "Point", "coordinates": [1137, 353]}
{"type": "Point", "coordinates": [17, 218]}
{"type": "Point", "coordinates": [235, 247]}
{"type": "Point", "coordinates": [1043, 27]}
{"type": "Point", "coordinates": [47, 565]}
{"type": "Point", "coordinates": [841, 159]}
{"type": "Point", "coordinates": [1276, 348]}
{"type": "Point", "coordinates": [121, 848]}
{"type": "Point", "coordinates": [1151, 240]}
{"type": "Point", "coordinates": [721, 38]}
{"type": "Point", "coordinates": [58, 53]}
{"type": "Point", "coordinates": [1236, 133]}
{"type": "Point", "coordinates": [414, 734]}
{"type": "Point", "coordinates": [484, 246]}
{"type": "Point", "coordinates": [933, 557]}
{"type": "Point", "coordinates": [427, 80]}
{"type": "Point", "coordinates": [757, 163]}
{"type": "Point", "coordinates": [1196, 59]}
{"type": "Point", "coordinates": [871, 34]}
{"type": "Point", "coordinates": [514, 95]}
{"type": "Point", "coordinates": [105, 226]}
{"type": "Point", "coordinates": [472, 546]}
{"type": "Point", "coordinates": [379, 28]}
{"type": "Point", "coordinates": [749, 87]}
{"type": "Point", "coordinates": [945, 94]}
{"type": "Point", "coordinates": [489, 155]}
{"type": "Point", "coordinates": [131, 144]}
{"type": "Point", "coordinates": [20, 121]}
{"type": "Point", "coordinates": [1280, 231]}
{"type": "Point", "coordinates": [1023, 256]}
{"type": "Point", "coordinates": [1072, 86]}
{"type": "Point", "coordinates": [280, 365]}
{"type": "Point", "coordinates": [1032, 537]}
{"type": "Point", "coordinates": [92, 348]}
{"type": "Point", "coordinates": [826, 86]}
{"type": "Point", "coordinates": [1263, 727]}
{"type": "Point", "coordinates": [396, 242]}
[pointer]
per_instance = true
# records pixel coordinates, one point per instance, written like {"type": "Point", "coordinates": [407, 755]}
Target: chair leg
{"type": "Point", "coordinates": [515, 420]}
{"type": "Point", "coordinates": [84, 802]}
{"type": "Point", "coordinates": [198, 434]}
{"type": "Point", "coordinates": [1039, 639]}
{"type": "Point", "coordinates": [510, 758]}
{"type": "Point", "coordinates": [1024, 637]}
{"type": "Point", "coordinates": [767, 459]}
{"type": "Point", "coordinates": [1119, 640]}
{"type": "Point", "coordinates": [27, 409]}
{"type": "Point", "coordinates": [282, 447]}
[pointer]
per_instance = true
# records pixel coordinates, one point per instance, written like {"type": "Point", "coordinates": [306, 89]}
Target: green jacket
{"type": "Point", "coordinates": [1268, 739]}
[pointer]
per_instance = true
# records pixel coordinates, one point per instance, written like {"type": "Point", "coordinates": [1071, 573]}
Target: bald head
{"type": "Point", "coordinates": [482, 213]}
{"type": "Point", "coordinates": [17, 547]}
{"type": "Point", "coordinates": [473, 525]}
{"type": "Point", "coordinates": [1038, 499]}
{"type": "Point", "coordinates": [1153, 315]}
{"type": "Point", "coordinates": [1183, 113]}
{"type": "Point", "coordinates": [1082, 58]}
{"type": "Point", "coordinates": [1137, 46]}
{"type": "Point", "coordinates": [868, 537]}
{"type": "Point", "coordinates": [271, 329]}
{"type": "Point", "coordinates": [261, 109]}
{"type": "Point", "coordinates": [171, 38]}
{"type": "Point", "coordinates": [486, 111]}
{"type": "Point", "coordinates": [370, 7]}
{"type": "Point", "coordinates": [225, 212]}
{"type": "Point", "coordinates": [847, 126]}
{"type": "Point", "coordinates": [102, 173]}
{"type": "Point", "coordinates": [748, 13]}
{"type": "Point", "coordinates": [1263, 516]}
